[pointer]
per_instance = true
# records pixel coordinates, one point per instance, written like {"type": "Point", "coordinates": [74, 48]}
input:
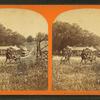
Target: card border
{"type": "Point", "coordinates": [50, 12]}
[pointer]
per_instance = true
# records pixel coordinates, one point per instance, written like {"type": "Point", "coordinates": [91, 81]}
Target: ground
{"type": "Point", "coordinates": [75, 76]}
{"type": "Point", "coordinates": [14, 76]}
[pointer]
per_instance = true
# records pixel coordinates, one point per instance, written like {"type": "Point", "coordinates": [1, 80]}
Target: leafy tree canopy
{"type": "Point", "coordinates": [64, 34]}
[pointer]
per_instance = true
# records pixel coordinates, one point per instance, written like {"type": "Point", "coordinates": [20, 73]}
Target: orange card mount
{"type": "Point", "coordinates": [32, 43]}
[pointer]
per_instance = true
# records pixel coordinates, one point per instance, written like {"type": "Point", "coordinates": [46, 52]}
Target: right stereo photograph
{"type": "Point", "coordinates": [76, 50]}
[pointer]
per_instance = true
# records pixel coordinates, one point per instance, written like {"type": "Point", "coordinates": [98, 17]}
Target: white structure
{"type": "Point", "coordinates": [77, 50]}
{"type": "Point", "coordinates": [4, 48]}
{"type": "Point", "coordinates": [81, 48]}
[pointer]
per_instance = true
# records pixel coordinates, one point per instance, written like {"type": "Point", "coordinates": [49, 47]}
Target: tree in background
{"type": "Point", "coordinates": [64, 34]}
{"type": "Point", "coordinates": [17, 39]}
{"type": "Point", "coordinates": [30, 39]}
{"type": "Point", "coordinates": [8, 37]}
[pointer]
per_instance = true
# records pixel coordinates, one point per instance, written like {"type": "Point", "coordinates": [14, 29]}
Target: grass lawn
{"type": "Point", "coordinates": [75, 76]}
{"type": "Point", "coordinates": [20, 77]}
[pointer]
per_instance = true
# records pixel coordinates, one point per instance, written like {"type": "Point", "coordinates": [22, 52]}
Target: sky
{"type": "Point", "coordinates": [88, 19]}
{"type": "Point", "coordinates": [25, 22]}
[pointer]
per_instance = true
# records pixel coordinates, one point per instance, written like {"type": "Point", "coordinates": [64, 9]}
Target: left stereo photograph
{"type": "Point", "coordinates": [23, 50]}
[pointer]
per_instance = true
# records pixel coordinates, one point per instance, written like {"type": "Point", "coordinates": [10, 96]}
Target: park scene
{"type": "Point", "coordinates": [23, 50]}
{"type": "Point", "coordinates": [76, 50]}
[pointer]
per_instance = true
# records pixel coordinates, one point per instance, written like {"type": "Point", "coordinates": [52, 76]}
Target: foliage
{"type": "Point", "coordinates": [8, 37]}
{"type": "Point", "coordinates": [30, 38]}
{"type": "Point", "coordinates": [64, 34]}
{"type": "Point", "coordinates": [39, 38]}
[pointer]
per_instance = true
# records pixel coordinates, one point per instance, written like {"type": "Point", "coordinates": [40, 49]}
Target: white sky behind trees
{"type": "Point", "coordinates": [23, 21]}
{"type": "Point", "coordinates": [88, 19]}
